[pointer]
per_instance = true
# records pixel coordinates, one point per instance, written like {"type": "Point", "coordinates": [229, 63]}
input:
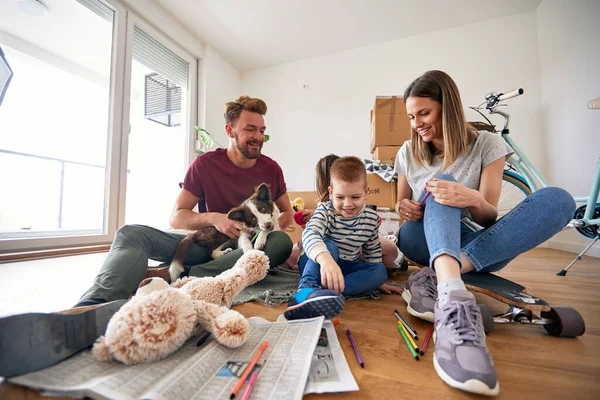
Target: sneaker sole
{"type": "Point", "coordinates": [471, 386]}
{"type": "Point", "coordinates": [33, 341]}
{"type": "Point", "coordinates": [328, 307]}
{"type": "Point", "coordinates": [428, 316]}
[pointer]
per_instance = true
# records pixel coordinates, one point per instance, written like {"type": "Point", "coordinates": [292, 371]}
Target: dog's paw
{"type": "Point", "coordinates": [260, 243]}
{"type": "Point", "coordinates": [219, 253]}
{"type": "Point", "coordinates": [247, 248]}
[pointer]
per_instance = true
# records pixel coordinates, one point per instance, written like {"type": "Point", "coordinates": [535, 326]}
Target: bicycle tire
{"type": "Point", "coordinates": [514, 190]}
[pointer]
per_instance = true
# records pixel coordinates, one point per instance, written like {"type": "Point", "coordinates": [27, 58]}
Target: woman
{"type": "Point", "coordinates": [456, 172]}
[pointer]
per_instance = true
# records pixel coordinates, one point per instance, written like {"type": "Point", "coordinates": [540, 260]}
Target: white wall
{"type": "Point", "coordinates": [569, 52]}
{"type": "Point", "coordinates": [219, 83]}
{"type": "Point", "coordinates": [333, 114]}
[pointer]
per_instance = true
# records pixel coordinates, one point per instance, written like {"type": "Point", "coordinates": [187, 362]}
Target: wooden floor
{"type": "Point", "coordinates": [530, 363]}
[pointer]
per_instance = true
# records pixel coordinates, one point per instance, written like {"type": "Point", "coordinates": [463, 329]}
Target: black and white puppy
{"type": "Point", "coordinates": [257, 214]}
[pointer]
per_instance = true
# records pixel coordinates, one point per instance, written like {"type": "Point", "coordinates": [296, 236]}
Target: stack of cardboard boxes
{"type": "Point", "coordinates": [390, 128]}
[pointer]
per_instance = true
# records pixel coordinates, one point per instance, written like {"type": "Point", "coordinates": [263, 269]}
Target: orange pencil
{"type": "Point", "coordinates": [335, 322]}
{"type": "Point", "coordinates": [248, 369]}
{"type": "Point", "coordinates": [426, 339]}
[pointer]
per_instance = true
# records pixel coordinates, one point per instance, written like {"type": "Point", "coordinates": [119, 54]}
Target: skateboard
{"type": "Point", "coordinates": [523, 307]}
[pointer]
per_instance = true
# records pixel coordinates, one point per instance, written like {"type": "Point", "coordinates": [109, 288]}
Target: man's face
{"type": "Point", "coordinates": [248, 134]}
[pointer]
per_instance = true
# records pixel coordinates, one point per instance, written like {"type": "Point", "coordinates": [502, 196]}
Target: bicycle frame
{"type": "Point", "coordinates": [526, 170]}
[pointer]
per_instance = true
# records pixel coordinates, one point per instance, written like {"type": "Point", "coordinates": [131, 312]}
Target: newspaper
{"type": "Point", "coordinates": [207, 372]}
{"type": "Point", "coordinates": [329, 371]}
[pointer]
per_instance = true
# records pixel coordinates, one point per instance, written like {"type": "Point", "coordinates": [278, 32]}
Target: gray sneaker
{"type": "Point", "coordinates": [460, 356]}
{"type": "Point", "coordinates": [421, 293]}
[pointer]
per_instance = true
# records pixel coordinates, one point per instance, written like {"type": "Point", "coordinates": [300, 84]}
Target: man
{"type": "Point", "coordinates": [216, 182]}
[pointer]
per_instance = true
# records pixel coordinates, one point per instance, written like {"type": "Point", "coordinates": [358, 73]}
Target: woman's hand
{"type": "Point", "coordinates": [409, 210]}
{"type": "Point", "coordinates": [453, 194]}
{"type": "Point", "coordinates": [390, 289]}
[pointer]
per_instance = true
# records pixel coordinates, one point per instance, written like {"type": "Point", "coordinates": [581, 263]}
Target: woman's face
{"type": "Point", "coordinates": [426, 118]}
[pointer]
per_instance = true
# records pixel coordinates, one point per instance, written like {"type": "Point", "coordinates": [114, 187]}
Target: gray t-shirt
{"type": "Point", "coordinates": [466, 169]}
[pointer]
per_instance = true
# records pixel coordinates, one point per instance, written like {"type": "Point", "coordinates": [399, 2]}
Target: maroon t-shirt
{"type": "Point", "coordinates": [221, 185]}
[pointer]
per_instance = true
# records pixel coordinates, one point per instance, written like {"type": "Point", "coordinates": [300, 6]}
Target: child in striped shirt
{"type": "Point", "coordinates": [333, 238]}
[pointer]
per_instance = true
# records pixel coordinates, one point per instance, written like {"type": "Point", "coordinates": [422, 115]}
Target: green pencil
{"type": "Point", "coordinates": [408, 344]}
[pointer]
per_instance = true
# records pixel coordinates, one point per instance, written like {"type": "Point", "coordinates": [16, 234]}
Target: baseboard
{"type": "Point", "coordinates": [574, 247]}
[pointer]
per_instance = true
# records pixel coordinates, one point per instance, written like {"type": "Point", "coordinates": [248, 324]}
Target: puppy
{"type": "Point", "coordinates": [257, 214]}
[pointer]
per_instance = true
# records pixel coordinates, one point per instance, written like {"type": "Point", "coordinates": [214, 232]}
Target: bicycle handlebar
{"type": "Point", "coordinates": [511, 94]}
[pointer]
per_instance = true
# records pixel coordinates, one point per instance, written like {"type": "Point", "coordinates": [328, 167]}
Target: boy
{"type": "Point", "coordinates": [332, 240]}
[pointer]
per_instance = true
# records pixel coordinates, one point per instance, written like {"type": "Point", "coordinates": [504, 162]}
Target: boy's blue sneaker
{"type": "Point", "coordinates": [311, 302]}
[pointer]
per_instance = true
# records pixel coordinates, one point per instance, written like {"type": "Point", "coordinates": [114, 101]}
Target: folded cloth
{"type": "Point", "coordinates": [385, 171]}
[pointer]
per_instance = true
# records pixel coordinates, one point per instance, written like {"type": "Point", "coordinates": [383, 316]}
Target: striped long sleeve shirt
{"type": "Point", "coordinates": [349, 234]}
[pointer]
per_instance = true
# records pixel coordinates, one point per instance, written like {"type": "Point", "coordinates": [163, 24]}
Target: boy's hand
{"type": "Point", "coordinates": [390, 289]}
{"type": "Point", "coordinates": [331, 275]}
{"type": "Point", "coordinates": [307, 215]}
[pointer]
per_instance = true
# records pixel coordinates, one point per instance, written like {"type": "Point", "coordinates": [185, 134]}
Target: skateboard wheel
{"type": "Point", "coordinates": [487, 318]}
{"type": "Point", "coordinates": [567, 322]}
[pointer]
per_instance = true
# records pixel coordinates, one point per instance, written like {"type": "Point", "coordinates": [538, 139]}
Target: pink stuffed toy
{"type": "Point", "coordinates": [160, 318]}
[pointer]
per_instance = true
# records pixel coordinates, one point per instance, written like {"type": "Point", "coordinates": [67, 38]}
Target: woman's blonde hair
{"type": "Point", "coordinates": [458, 134]}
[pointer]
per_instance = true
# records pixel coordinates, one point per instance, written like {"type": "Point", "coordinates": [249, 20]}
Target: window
{"type": "Point", "coordinates": [68, 159]}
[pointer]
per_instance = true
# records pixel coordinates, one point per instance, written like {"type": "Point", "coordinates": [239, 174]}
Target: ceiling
{"type": "Point", "coordinates": [85, 41]}
{"type": "Point", "coordinates": [260, 33]}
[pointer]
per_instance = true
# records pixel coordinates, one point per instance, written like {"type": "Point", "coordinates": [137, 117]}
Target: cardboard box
{"type": "Point", "coordinates": [386, 153]}
{"type": "Point", "coordinates": [390, 125]}
{"type": "Point", "coordinates": [390, 221]}
{"type": "Point", "coordinates": [310, 203]}
{"type": "Point", "coordinates": [389, 105]}
{"type": "Point", "coordinates": [380, 192]}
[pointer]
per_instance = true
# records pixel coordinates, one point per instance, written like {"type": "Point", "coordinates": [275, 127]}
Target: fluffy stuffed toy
{"type": "Point", "coordinates": [160, 318]}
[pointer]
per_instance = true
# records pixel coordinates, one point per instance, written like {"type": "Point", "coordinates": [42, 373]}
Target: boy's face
{"type": "Point", "coordinates": [348, 197]}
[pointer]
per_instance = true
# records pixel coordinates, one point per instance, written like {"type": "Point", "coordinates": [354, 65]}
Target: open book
{"type": "Point", "coordinates": [207, 372]}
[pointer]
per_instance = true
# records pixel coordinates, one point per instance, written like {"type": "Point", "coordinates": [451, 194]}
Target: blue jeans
{"type": "Point", "coordinates": [359, 277]}
{"type": "Point", "coordinates": [536, 219]}
{"type": "Point", "coordinates": [127, 262]}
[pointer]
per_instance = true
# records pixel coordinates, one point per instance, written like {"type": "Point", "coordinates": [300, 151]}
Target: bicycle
{"type": "Point", "coordinates": [520, 176]}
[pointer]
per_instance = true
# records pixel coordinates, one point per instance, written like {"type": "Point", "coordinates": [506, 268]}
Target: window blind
{"type": "Point", "coordinates": [158, 58]}
{"type": "Point", "coordinates": [98, 8]}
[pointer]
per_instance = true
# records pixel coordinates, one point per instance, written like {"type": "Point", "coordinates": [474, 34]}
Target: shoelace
{"type": "Point", "coordinates": [428, 284]}
{"type": "Point", "coordinates": [461, 318]}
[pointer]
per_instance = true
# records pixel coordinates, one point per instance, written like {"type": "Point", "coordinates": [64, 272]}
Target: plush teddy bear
{"type": "Point", "coordinates": [160, 318]}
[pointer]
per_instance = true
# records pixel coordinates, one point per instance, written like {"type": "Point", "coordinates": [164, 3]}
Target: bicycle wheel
{"type": "Point", "coordinates": [514, 190]}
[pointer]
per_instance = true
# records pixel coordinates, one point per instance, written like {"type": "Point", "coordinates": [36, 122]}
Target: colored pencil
{"type": "Point", "coordinates": [410, 348]}
{"type": "Point", "coordinates": [422, 203]}
{"type": "Point", "coordinates": [203, 338]}
{"type": "Point", "coordinates": [248, 369]}
{"type": "Point", "coordinates": [426, 339]}
{"type": "Point", "coordinates": [410, 339]}
{"type": "Point", "coordinates": [412, 331]}
{"type": "Point", "coordinates": [358, 357]}
{"type": "Point", "coordinates": [336, 321]}
{"type": "Point", "coordinates": [251, 384]}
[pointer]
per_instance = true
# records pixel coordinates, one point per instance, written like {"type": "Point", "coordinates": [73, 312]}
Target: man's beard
{"type": "Point", "coordinates": [250, 155]}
